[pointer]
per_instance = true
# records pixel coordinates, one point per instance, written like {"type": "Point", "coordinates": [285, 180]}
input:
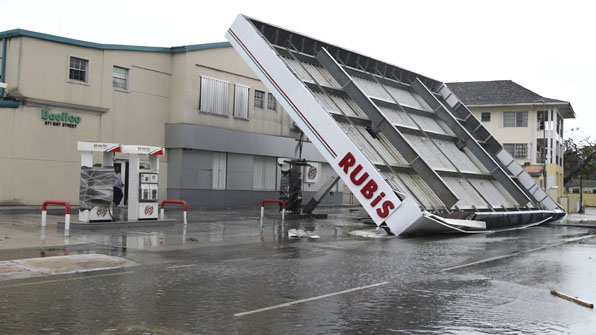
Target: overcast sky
{"type": "Point", "coordinates": [548, 47]}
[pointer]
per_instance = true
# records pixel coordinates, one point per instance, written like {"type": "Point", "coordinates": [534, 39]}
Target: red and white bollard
{"type": "Point", "coordinates": [44, 214]}
{"type": "Point", "coordinates": [283, 206]}
{"type": "Point", "coordinates": [181, 202]}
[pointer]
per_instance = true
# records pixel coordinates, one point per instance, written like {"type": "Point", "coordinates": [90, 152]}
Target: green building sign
{"type": "Point", "coordinates": [60, 119]}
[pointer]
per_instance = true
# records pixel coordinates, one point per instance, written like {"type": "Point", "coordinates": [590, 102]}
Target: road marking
{"type": "Point", "coordinates": [236, 259]}
{"type": "Point", "coordinates": [181, 266]}
{"type": "Point", "coordinates": [309, 299]}
{"type": "Point", "coordinates": [492, 259]}
{"type": "Point", "coordinates": [67, 279]}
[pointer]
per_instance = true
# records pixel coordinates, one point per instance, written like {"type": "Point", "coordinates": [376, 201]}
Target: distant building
{"type": "Point", "coordinates": [223, 131]}
{"type": "Point", "coordinates": [529, 126]}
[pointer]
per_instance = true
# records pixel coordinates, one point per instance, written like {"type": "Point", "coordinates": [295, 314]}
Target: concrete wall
{"type": "Point", "coordinates": [159, 108]}
{"type": "Point", "coordinates": [227, 198]}
{"type": "Point", "coordinates": [190, 166]}
{"type": "Point", "coordinates": [224, 64]}
{"type": "Point", "coordinates": [40, 162]}
{"type": "Point", "coordinates": [589, 200]}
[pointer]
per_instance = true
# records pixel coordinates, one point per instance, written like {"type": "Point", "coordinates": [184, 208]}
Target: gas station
{"type": "Point", "coordinates": [97, 181]}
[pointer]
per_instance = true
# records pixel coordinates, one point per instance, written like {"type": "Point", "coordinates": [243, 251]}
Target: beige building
{"type": "Point", "coordinates": [223, 132]}
{"type": "Point", "coordinates": [529, 126]}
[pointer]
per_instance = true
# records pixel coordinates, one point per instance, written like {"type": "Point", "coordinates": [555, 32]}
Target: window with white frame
{"type": "Point", "coordinates": [214, 96]}
{"type": "Point", "coordinates": [120, 78]}
{"type": "Point", "coordinates": [78, 69]}
{"type": "Point", "coordinates": [485, 116]}
{"type": "Point", "coordinates": [517, 150]}
{"type": "Point", "coordinates": [515, 119]}
{"type": "Point", "coordinates": [219, 170]}
{"type": "Point", "coordinates": [264, 173]}
{"type": "Point", "coordinates": [271, 102]}
{"type": "Point", "coordinates": [241, 101]}
{"type": "Point", "coordinates": [259, 99]}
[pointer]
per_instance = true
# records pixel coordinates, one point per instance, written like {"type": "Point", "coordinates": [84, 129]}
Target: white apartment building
{"type": "Point", "coordinates": [529, 126]}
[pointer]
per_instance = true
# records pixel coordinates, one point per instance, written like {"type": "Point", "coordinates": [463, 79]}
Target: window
{"type": "Point", "coordinates": [120, 78]}
{"type": "Point", "coordinates": [219, 171]}
{"type": "Point", "coordinates": [241, 101]}
{"type": "Point", "coordinates": [271, 102]}
{"type": "Point", "coordinates": [515, 119]}
{"type": "Point", "coordinates": [259, 99]}
{"type": "Point", "coordinates": [78, 69]}
{"type": "Point", "coordinates": [485, 116]}
{"type": "Point", "coordinates": [214, 96]}
{"type": "Point", "coordinates": [517, 150]}
{"type": "Point", "coordinates": [264, 173]}
{"type": "Point", "coordinates": [540, 120]}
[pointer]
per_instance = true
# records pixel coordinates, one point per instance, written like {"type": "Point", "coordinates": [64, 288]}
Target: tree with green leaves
{"type": "Point", "coordinates": [580, 156]}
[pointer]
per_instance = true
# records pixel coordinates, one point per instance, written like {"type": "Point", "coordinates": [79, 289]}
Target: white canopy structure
{"type": "Point", "coordinates": [410, 151]}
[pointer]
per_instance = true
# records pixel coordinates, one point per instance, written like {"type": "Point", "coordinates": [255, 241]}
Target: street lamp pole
{"type": "Point", "coordinates": [581, 188]}
{"type": "Point", "coordinates": [544, 144]}
{"type": "Point", "coordinates": [544, 116]}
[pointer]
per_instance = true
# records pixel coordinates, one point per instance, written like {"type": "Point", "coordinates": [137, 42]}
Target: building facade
{"type": "Point", "coordinates": [529, 126]}
{"type": "Point", "coordinates": [224, 134]}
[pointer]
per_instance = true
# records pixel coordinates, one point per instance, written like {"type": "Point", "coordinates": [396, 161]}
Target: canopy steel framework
{"type": "Point", "coordinates": [409, 150]}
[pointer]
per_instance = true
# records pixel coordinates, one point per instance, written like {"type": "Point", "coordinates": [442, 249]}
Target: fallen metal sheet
{"type": "Point", "coordinates": [401, 142]}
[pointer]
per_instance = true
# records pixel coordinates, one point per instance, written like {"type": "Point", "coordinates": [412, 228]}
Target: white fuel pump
{"type": "Point", "coordinates": [143, 183]}
{"type": "Point", "coordinates": [143, 187]}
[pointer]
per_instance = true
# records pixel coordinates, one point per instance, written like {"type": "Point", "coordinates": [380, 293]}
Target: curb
{"type": "Point", "coordinates": [575, 225]}
{"type": "Point", "coordinates": [34, 210]}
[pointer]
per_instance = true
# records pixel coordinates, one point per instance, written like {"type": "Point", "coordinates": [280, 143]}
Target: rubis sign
{"type": "Point", "coordinates": [369, 186]}
{"type": "Point", "coordinates": [102, 211]}
{"type": "Point", "coordinates": [149, 210]}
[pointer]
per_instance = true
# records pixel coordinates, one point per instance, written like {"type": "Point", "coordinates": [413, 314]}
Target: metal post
{"type": "Point", "coordinates": [44, 218]}
{"type": "Point", "coordinates": [544, 116]}
{"type": "Point", "coordinates": [3, 68]}
{"type": "Point", "coordinates": [67, 224]}
{"type": "Point", "coordinates": [581, 189]}
{"type": "Point", "coordinates": [544, 145]}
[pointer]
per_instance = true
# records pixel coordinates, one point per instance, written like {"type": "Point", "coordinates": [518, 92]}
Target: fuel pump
{"type": "Point", "coordinates": [95, 194]}
{"type": "Point", "coordinates": [97, 181]}
{"type": "Point", "coordinates": [143, 189]}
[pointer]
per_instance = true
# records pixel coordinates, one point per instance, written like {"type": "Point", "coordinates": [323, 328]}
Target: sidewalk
{"type": "Point", "coordinates": [587, 218]}
{"type": "Point", "coordinates": [52, 210]}
{"type": "Point", "coordinates": [21, 235]}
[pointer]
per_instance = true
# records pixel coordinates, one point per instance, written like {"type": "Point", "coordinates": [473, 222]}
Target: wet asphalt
{"type": "Point", "coordinates": [228, 273]}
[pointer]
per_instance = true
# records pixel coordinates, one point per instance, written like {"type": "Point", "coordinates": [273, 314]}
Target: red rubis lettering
{"type": "Point", "coordinates": [347, 161]}
{"type": "Point", "coordinates": [358, 181]}
{"type": "Point", "coordinates": [385, 208]}
{"type": "Point", "coordinates": [377, 199]}
{"type": "Point", "coordinates": [369, 189]}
